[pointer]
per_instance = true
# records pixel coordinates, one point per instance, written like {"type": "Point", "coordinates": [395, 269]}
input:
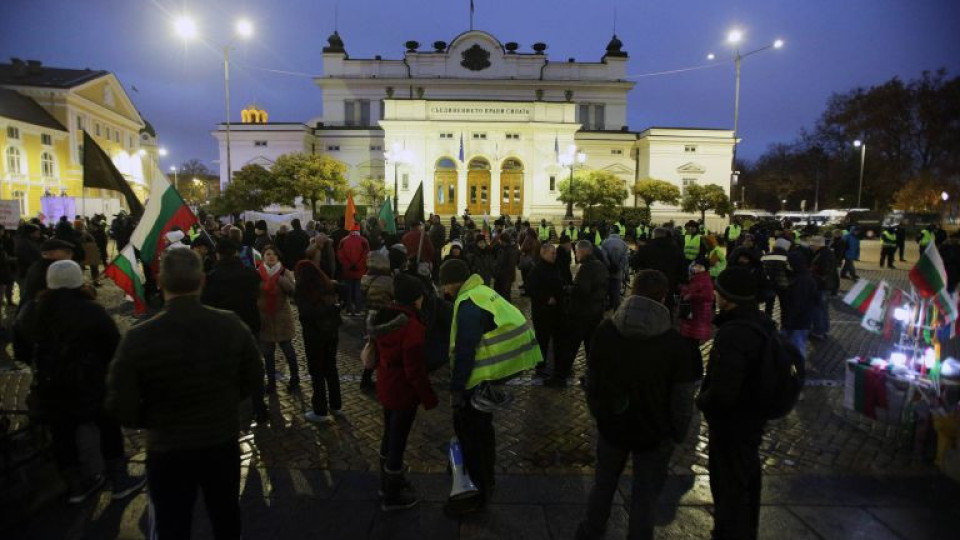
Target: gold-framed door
{"type": "Point", "coordinates": [445, 192]}
{"type": "Point", "coordinates": [511, 193]}
{"type": "Point", "coordinates": [478, 192]}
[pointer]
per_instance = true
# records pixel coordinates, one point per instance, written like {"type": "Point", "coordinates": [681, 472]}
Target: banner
{"type": "Point", "coordinates": [10, 214]}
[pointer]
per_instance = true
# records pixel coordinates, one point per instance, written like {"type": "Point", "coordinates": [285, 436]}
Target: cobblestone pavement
{"type": "Point", "coordinates": [549, 432]}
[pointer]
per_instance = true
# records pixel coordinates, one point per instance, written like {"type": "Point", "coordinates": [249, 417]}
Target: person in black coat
{"type": "Point", "coordinates": [482, 259]}
{"type": "Point", "coordinates": [565, 259]}
{"type": "Point", "coordinates": [662, 253]}
{"type": "Point", "coordinates": [798, 303]}
{"type": "Point", "coordinates": [901, 233]}
{"type": "Point", "coordinates": [505, 267]}
{"type": "Point", "coordinates": [316, 298]}
{"type": "Point", "coordinates": [295, 244]}
{"type": "Point", "coordinates": [26, 251]}
{"type": "Point", "coordinates": [545, 288]}
{"type": "Point", "coordinates": [233, 287]}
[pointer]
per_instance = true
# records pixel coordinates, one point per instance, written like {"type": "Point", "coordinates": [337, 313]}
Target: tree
{"type": "Point", "coordinates": [373, 191]}
{"type": "Point", "coordinates": [702, 198]}
{"type": "Point", "coordinates": [920, 194]}
{"type": "Point", "coordinates": [252, 188]}
{"type": "Point", "coordinates": [193, 168]}
{"type": "Point", "coordinates": [594, 188]}
{"type": "Point", "coordinates": [652, 190]}
{"type": "Point", "coordinates": [314, 177]}
{"type": "Point", "coordinates": [193, 193]}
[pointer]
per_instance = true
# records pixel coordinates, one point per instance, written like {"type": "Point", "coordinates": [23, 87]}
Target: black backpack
{"type": "Point", "coordinates": [782, 374]}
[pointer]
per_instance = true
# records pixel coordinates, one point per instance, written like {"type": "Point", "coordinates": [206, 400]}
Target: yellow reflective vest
{"type": "Point", "coordinates": [573, 233]}
{"type": "Point", "coordinates": [621, 228]}
{"type": "Point", "coordinates": [691, 246]}
{"type": "Point", "coordinates": [889, 239]}
{"type": "Point", "coordinates": [506, 350]}
{"type": "Point", "coordinates": [733, 232]}
{"type": "Point", "coordinates": [642, 231]}
{"type": "Point", "coordinates": [544, 233]}
{"type": "Point", "coordinates": [925, 237]}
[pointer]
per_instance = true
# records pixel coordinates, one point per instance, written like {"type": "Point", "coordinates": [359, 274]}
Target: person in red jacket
{"type": "Point", "coordinates": [352, 254]}
{"type": "Point", "coordinates": [402, 385]}
{"type": "Point", "coordinates": [411, 240]}
{"type": "Point", "coordinates": [696, 323]}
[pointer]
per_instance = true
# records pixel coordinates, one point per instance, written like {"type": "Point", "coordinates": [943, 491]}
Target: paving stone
{"type": "Point", "coordinates": [920, 523]}
{"type": "Point", "coordinates": [777, 523]}
{"type": "Point", "coordinates": [517, 522]}
{"type": "Point", "coordinates": [843, 523]}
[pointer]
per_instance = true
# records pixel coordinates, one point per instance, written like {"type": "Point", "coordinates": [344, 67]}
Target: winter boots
{"type": "Point", "coordinates": [396, 492]}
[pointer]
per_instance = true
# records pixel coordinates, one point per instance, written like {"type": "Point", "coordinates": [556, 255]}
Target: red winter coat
{"type": "Point", "coordinates": [352, 255]}
{"type": "Point", "coordinates": [402, 382]}
{"type": "Point", "coordinates": [700, 293]}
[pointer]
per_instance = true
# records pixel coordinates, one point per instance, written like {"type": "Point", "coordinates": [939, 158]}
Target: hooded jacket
{"type": "Point", "coordinates": [640, 377]}
{"type": "Point", "coordinates": [402, 382]}
{"type": "Point", "coordinates": [699, 292]}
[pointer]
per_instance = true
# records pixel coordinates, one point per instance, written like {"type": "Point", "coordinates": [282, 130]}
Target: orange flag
{"type": "Point", "coordinates": [348, 215]}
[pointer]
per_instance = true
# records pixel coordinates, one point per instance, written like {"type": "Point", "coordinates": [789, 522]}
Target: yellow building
{"type": "Point", "coordinates": [43, 113]}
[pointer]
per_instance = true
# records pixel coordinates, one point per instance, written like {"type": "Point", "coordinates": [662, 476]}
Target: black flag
{"type": "Point", "coordinates": [415, 214]}
{"type": "Point", "coordinates": [99, 172]}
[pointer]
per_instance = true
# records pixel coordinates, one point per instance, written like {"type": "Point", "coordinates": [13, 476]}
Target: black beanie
{"type": "Point", "coordinates": [261, 224]}
{"type": "Point", "coordinates": [406, 289]}
{"type": "Point", "coordinates": [454, 271]}
{"type": "Point", "coordinates": [738, 285]}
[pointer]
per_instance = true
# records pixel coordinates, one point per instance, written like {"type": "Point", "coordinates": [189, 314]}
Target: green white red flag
{"type": "Point", "coordinates": [860, 295]}
{"type": "Point", "coordinates": [876, 309]}
{"type": "Point", "coordinates": [126, 272]}
{"type": "Point", "coordinates": [929, 275]}
{"type": "Point", "coordinates": [165, 209]}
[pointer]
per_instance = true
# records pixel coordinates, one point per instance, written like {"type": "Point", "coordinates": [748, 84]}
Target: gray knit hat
{"type": "Point", "coordinates": [64, 275]}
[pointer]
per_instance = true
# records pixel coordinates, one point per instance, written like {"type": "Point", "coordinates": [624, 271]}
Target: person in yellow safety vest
{"type": "Point", "coordinates": [889, 247]}
{"type": "Point", "coordinates": [693, 245]}
{"type": "Point", "coordinates": [621, 228]}
{"type": "Point", "coordinates": [490, 340]}
{"type": "Point", "coordinates": [643, 231]}
{"type": "Point", "coordinates": [194, 232]}
{"type": "Point", "coordinates": [926, 236]}
{"type": "Point", "coordinates": [732, 234]}
{"type": "Point", "coordinates": [572, 232]}
{"type": "Point", "coordinates": [545, 231]}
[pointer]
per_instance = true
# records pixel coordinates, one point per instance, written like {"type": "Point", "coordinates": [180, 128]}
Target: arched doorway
{"type": "Point", "coordinates": [511, 187]}
{"type": "Point", "coordinates": [478, 186]}
{"type": "Point", "coordinates": [445, 187]}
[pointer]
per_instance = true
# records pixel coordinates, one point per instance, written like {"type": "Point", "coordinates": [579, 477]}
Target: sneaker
{"type": "Point", "coordinates": [315, 418]}
{"type": "Point", "coordinates": [127, 486]}
{"type": "Point", "coordinates": [86, 489]}
{"type": "Point", "coordinates": [489, 398]}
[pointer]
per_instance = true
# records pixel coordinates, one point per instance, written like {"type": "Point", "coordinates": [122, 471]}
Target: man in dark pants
{"type": "Point", "coordinates": [545, 287]}
{"type": "Point", "coordinates": [181, 376]}
{"type": "Point", "coordinates": [729, 404]}
{"type": "Point", "coordinates": [889, 247]}
{"type": "Point", "coordinates": [588, 297]}
{"type": "Point", "coordinates": [901, 233]}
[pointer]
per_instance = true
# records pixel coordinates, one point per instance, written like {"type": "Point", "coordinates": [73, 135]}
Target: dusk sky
{"type": "Point", "coordinates": [831, 46]}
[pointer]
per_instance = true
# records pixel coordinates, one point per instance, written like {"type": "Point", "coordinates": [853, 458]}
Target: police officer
{"type": "Point", "coordinates": [732, 232]}
{"type": "Point", "coordinates": [490, 340]}
{"type": "Point", "coordinates": [693, 244]}
{"type": "Point", "coordinates": [620, 228]}
{"type": "Point", "coordinates": [573, 233]}
{"type": "Point", "coordinates": [925, 237]}
{"type": "Point", "coordinates": [544, 232]}
{"type": "Point", "coordinates": [642, 232]}
{"type": "Point", "coordinates": [889, 247]}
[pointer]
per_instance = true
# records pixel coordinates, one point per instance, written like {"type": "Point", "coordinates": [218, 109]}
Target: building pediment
{"type": "Point", "coordinates": [691, 168]}
{"type": "Point", "coordinates": [618, 168]}
{"type": "Point", "coordinates": [107, 92]}
{"type": "Point", "coordinates": [262, 161]}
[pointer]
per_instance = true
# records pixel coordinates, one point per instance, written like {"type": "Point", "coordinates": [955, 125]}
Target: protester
{"type": "Point", "coordinates": [192, 422]}
{"type": "Point", "coordinates": [403, 386]}
{"type": "Point", "coordinates": [377, 288]}
{"type": "Point", "coordinates": [26, 252]}
{"type": "Point", "coordinates": [418, 245]}
{"type": "Point", "coordinates": [91, 251]}
{"type": "Point", "coordinates": [824, 270]}
{"type": "Point", "coordinates": [73, 341]}
{"type": "Point", "coordinates": [35, 280]}
{"type": "Point", "coordinates": [728, 399]}
{"type": "Point", "coordinates": [696, 313]}
{"type": "Point", "coordinates": [493, 341]}
{"type": "Point", "coordinates": [482, 260]}
{"type": "Point", "coordinates": [717, 257]}
{"type": "Point", "coordinates": [851, 255]}
{"type": "Point", "coordinates": [295, 244]}
{"type": "Point", "coordinates": [642, 404]}
{"type": "Point", "coordinates": [505, 266]}
{"type": "Point", "coordinates": [662, 253]}
{"type": "Point", "coordinates": [565, 258]}
{"type": "Point", "coordinates": [352, 254]}
{"type": "Point", "coordinates": [316, 298]}
{"type": "Point", "coordinates": [546, 302]}
{"type": "Point", "coordinates": [798, 303]}
{"type": "Point", "coordinates": [276, 318]}
{"type": "Point", "coordinates": [616, 253]}
{"type": "Point", "coordinates": [262, 238]}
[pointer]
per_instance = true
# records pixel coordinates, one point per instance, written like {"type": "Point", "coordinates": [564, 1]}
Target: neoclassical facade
{"type": "Point", "coordinates": [484, 126]}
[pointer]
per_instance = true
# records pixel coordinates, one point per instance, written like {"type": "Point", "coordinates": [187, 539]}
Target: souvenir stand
{"type": "Point", "coordinates": [915, 385]}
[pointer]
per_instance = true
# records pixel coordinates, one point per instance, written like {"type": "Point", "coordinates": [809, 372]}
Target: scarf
{"type": "Point", "coordinates": [271, 278]}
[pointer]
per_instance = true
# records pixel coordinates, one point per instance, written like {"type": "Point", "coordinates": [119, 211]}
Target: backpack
{"type": "Point", "coordinates": [782, 374]}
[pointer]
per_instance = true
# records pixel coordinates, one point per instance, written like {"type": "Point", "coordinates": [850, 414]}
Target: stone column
{"type": "Point", "coordinates": [495, 194]}
{"type": "Point", "coordinates": [462, 195]}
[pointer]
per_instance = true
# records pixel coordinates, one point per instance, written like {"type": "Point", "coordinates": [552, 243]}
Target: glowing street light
{"type": "Point", "coordinates": [244, 28]}
{"type": "Point", "coordinates": [162, 151]}
{"type": "Point", "coordinates": [185, 27]}
{"type": "Point", "coordinates": [398, 155]}
{"type": "Point", "coordinates": [734, 36]}
{"type": "Point", "coordinates": [176, 181]}
{"type": "Point", "coordinates": [863, 156]}
{"type": "Point", "coordinates": [570, 159]}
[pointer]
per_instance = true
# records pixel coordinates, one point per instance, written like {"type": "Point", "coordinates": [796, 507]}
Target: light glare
{"type": "Point", "coordinates": [244, 28]}
{"type": "Point", "coordinates": [711, 56]}
{"type": "Point", "coordinates": [185, 27]}
{"type": "Point", "coordinates": [162, 152]}
{"type": "Point", "coordinates": [857, 143]}
{"type": "Point", "coordinates": [777, 44]}
{"type": "Point", "coordinates": [734, 36]}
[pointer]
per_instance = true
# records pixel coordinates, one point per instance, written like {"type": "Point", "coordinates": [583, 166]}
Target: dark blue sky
{"type": "Point", "coordinates": [831, 46]}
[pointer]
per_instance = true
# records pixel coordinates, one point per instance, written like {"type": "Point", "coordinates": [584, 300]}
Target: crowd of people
{"type": "Point", "coordinates": [429, 296]}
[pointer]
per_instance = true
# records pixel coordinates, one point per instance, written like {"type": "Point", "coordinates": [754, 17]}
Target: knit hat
{"type": "Point", "coordinates": [782, 243]}
{"type": "Point", "coordinates": [456, 244]}
{"type": "Point", "coordinates": [454, 271]}
{"type": "Point", "coordinates": [406, 289]}
{"type": "Point", "coordinates": [64, 275]}
{"type": "Point", "coordinates": [261, 225]}
{"type": "Point", "coordinates": [738, 285]}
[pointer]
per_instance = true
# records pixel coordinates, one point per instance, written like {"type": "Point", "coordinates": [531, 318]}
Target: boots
{"type": "Point", "coordinates": [407, 485]}
{"type": "Point", "coordinates": [80, 487]}
{"type": "Point", "coordinates": [121, 482]}
{"type": "Point", "coordinates": [395, 497]}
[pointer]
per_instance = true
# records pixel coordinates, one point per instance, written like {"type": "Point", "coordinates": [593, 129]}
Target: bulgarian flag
{"type": "Point", "coordinates": [165, 209]}
{"type": "Point", "coordinates": [929, 275]}
{"type": "Point", "coordinates": [126, 272]}
{"type": "Point", "coordinates": [860, 295]}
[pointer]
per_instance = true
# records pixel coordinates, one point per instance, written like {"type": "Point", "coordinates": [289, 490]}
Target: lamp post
{"type": "Point", "coordinates": [863, 156]}
{"type": "Point", "coordinates": [571, 159]}
{"type": "Point", "coordinates": [734, 37]}
{"type": "Point", "coordinates": [398, 155]}
{"type": "Point", "coordinates": [186, 28]}
{"type": "Point", "coordinates": [176, 181]}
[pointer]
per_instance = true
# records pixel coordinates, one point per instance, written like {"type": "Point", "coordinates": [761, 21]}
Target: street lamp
{"type": "Point", "coordinates": [783, 205]}
{"type": "Point", "coordinates": [162, 151]}
{"type": "Point", "coordinates": [176, 182]}
{"type": "Point", "coordinates": [570, 159]}
{"type": "Point", "coordinates": [863, 155]}
{"type": "Point", "coordinates": [398, 155]}
{"type": "Point", "coordinates": [186, 28]}
{"type": "Point", "coordinates": [734, 37]}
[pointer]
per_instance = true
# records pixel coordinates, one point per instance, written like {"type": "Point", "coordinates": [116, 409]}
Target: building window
{"type": "Point", "coordinates": [21, 197]}
{"type": "Point", "coordinates": [333, 148]}
{"type": "Point", "coordinates": [690, 148]}
{"type": "Point", "coordinates": [106, 131]}
{"type": "Point", "coordinates": [47, 165]}
{"type": "Point", "coordinates": [46, 139]}
{"type": "Point", "coordinates": [513, 136]}
{"type": "Point", "coordinates": [96, 128]}
{"type": "Point", "coordinates": [383, 107]}
{"type": "Point", "coordinates": [79, 123]}
{"type": "Point", "coordinates": [130, 142]}
{"type": "Point", "coordinates": [376, 148]}
{"type": "Point", "coordinates": [446, 135]}
{"type": "Point", "coordinates": [116, 136]}
{"type": "Point", "coordinates": [688, 182]}
{"type": "Point", "coordinates": [591, 116]}
{"type": "Point", "coordinates": [259, 143]}
{"type": "Point", "coordinates": [79, 153]}
{"type": "Point", "coordinates": [480, 136]}
{"type": "Point", "coordinates": [616, 152]}
{"type": "Point", "coordinates": [14, 164]}
{"type": "Point", "coordinates": [405, 181]}
{"type": "Point", "coordinates": [553, 183]}
{"type": "Point", "coordinates": [356, 112]}
{"type": "Point", "coordinates": [13, 132]}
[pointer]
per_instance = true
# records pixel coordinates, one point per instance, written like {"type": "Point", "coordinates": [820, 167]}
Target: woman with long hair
{"type": "Point", "coordinates": [276, 317]}
{"type": "Point", "coordinates": [316, 298]}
